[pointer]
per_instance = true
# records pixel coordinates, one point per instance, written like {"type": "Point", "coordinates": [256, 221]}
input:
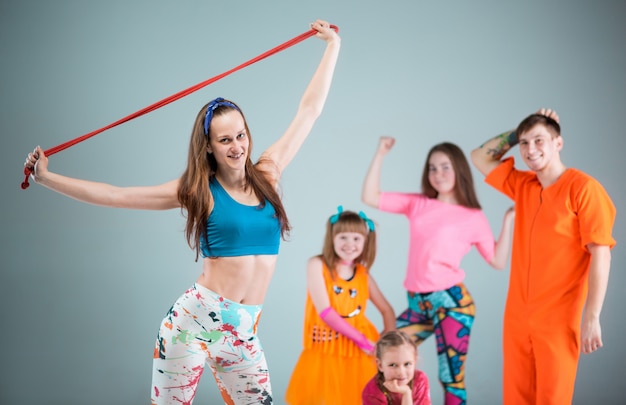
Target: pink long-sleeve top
{"type": "Point", "coordinates": [441, 234]}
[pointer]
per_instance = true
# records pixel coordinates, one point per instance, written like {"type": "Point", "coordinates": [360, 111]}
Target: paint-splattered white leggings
{"type": "Point", "coordinates": [201, 329]}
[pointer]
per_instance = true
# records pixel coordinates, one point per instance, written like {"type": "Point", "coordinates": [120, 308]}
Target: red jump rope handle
{"type": "Point", "coordinates": [25, 182]}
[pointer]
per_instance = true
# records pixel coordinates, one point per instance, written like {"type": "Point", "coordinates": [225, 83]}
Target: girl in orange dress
{"type": "Point", "coordinates": [337, 360]}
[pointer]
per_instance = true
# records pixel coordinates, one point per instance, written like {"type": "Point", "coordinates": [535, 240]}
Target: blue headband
{"type": "Point", "coordinates": [370, 224]}
{"type": "Point", "coordinates": [211, 107]}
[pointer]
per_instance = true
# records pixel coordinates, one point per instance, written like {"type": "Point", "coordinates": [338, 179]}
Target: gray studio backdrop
{"type": "Point", "coordinates": [84, 288]}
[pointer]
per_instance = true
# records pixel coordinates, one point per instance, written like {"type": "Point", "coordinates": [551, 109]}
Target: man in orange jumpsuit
{"type": "Point", "coordinates": [560, 261]}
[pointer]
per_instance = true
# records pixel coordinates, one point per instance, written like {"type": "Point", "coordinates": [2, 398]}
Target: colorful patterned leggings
{"type": "Point", "coordinates": [204, 328]}
{"type": "Point", "coordinates": [450, 314]}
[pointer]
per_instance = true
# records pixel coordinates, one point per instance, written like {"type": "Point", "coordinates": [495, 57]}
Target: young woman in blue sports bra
{"type": "Point", "coordinates": [235, 220]}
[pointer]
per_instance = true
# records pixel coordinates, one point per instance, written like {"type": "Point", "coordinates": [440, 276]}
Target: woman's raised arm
{"type": "Point", "coordinates": [311, 104]}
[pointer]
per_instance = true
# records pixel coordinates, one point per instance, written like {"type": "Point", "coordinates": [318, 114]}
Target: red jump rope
{"type": "Point", "coordinates": [174, 97]}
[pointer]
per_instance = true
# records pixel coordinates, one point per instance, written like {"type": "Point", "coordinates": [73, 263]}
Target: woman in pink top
{"type": "Point", "coordinates": [445, 221]}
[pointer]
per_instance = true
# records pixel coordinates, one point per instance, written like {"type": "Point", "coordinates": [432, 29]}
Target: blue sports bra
{"type": "Point", "coordinates": [235, 229]}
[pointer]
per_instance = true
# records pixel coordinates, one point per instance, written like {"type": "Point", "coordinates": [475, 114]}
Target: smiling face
{"type": "Point", "coordinates": [441, 175]}
{"type": "Point", "coordinates": [348, 246]}
{"type": "Point", "coordinates": [229, 141]}
{"type": "Point", "coordinates": [540, 148]}
{"type": "Point", "coordinates": [397, 364]}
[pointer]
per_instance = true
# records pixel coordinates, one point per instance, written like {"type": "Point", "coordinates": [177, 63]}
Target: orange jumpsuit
{"type": "Point", "coordinates": [548, 280]}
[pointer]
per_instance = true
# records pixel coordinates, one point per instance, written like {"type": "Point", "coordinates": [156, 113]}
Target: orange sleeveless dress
{"type": "Point", "coordinates": [331, 368]}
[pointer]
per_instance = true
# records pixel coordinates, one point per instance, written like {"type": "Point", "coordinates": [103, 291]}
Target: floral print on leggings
{"type": "Point", "coordinates": [201, 329]}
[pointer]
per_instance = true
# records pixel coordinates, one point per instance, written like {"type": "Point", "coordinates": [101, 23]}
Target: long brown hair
{"type": "Point", "coordinates": [464, 191]}
{"type": "Point", "coordinates": [194, 194]}
{"type": "Point", "coordinates": [393, 338]}
{"type": "Point", "coordinates": [349, 221]}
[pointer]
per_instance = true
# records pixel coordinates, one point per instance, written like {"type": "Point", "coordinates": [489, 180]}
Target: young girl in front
{"type": "Point", "coordinates": [337, 361]}
{"type": "Point", "coordinates": [397, 382]}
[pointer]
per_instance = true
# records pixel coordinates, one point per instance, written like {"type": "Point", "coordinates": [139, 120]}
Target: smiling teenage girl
{"type": "Point", "coordinates": [445, 221]}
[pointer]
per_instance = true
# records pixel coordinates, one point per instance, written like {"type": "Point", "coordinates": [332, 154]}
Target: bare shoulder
{"type": "Point", "coordinates": [314, 263]}
{"type": "Point", "coordinates": [172, 185]}
{"type": "Point", "coordinates": [315, 267]}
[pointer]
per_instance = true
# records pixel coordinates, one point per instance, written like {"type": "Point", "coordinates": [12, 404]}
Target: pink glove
{"type": "Point", "coordinates": [335, 321]}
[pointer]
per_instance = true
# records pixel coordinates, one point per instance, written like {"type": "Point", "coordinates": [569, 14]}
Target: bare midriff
{"type": "Point", "coordinates": [242, 279]}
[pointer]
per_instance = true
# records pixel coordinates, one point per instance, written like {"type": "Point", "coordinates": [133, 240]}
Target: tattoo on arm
{"type": "Point", "coordinates": [506, 141]}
